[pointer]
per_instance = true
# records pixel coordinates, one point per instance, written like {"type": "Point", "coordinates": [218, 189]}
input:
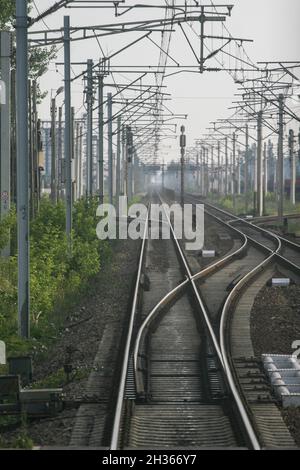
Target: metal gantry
{"type": "Point", "coordinates": [137, 123]}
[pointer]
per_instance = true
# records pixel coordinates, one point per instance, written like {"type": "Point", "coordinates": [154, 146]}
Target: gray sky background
{"type": "Point", "coordinates": [272, 24]}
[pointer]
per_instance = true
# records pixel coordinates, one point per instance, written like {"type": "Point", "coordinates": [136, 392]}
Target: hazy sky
{"type": "Point", "coordinates": [272, 24]}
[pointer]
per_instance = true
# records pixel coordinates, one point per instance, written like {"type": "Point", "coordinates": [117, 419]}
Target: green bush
{"type": "Point", "coordinates": [57, 277]}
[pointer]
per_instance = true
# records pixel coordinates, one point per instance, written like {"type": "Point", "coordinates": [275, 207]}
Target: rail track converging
{"type": "Point", "coordinates": [178, 361]}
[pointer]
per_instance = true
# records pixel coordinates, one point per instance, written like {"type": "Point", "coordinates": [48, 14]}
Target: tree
{"type": "Point", "coordinates": [39, 58]}
{"type": "Point", "coordinates": [7, 12]}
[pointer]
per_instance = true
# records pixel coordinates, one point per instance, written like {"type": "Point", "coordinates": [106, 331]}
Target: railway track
{"type": "Point", "coordinates": [282, 247]}
{"type": "Point", "coordinates": [178, 387]}
{"type": "Point", "coordinates": [189, 376]}
{"type": "Point", "coordinates": [271, 254]}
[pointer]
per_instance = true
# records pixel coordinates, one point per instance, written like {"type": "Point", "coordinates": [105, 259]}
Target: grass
{"type": "Point", "coordinates": [237, 205]}
{"type": "Point", "coordinates": [59, 378]}
{"type": "Point", "coordinates": [22, 439]}
{"type": "Point", "coordinates": [57, 281]}
{"type": "Point", "coordinates": [294, 227]}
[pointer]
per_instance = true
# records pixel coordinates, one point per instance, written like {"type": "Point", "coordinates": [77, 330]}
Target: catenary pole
{"type": "Point", "coordinates": [246, 177]}
{"type": "Point", "coordinates": [68, 133]}
{"type": "Point", "coordinates": [280, 160]}
{"type": "Point", "coordinates": [293, 167]}
{"type": "Point", "coordinates": [182, 151]}
{"type": "Point", "coordinates": [100, 139]}
{"type": "Point", "coordinates": [226, 166]}
{"type": "Point", "coordinates": [59, 153]}
{"type": "Point", "coordinates": [53, 152]}
{"type": "Point", "coordinates": [89, 156]}
{"type": "Point", "coordinates": [118, 168]}
{"type": "Point", "coordinates": [5, 125]}
{"type": "Point", "coordinates": [22, 168]}
{"type": "Point", "coordinates": [110, 148]}
{"type": "Point", "coordinates": [259, 171]}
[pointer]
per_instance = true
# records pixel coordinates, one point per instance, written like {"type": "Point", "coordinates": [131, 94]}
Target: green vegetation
{"type": "Point", "coordinates": [289, 208]}
{"type": "Point", "coordinates": [294, 227]}
{"type": "Point", "coordinates": [58, 278]}
{"type": "Point", "coordinates": [22, 440]}
{"type": "Point", "coordinates": [59, 378]}
{"type": "Point", "coordinates": [237, 206]}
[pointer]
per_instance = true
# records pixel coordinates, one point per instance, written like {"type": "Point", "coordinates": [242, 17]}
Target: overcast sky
{"type": "Point", "coordinates": [272, 24]}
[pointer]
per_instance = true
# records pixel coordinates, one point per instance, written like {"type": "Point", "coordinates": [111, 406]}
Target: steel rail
{"type": "Point", "coordinates": [168, 297]}
{"type": "Point", "coordinates": [281, 240]}
{"type": "Point", "coordinates": [221, 349]}
{"type": "Point", "coordinates": [191, 280]}
{"type": "Point", "coordinates": [237, 288]}
{"type": "Point", "coordinates": [239, 219]}
{"type": "Point", "coordinates": [220, 353]}
{"type": "Point", "coordinates": [120, 398]}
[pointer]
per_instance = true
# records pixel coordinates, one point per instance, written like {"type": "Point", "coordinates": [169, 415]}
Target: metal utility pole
{"type": "Point", "coordinates": [68, 133]}
{"type": "Point", "coordinates": [30, 146]}
{"type": "Point", "coordinates": [226, 166]}
{"type": "Point", "coordinates": [124, 161]}
{"type": "Point", "coordinates": [53, 152]}
{"type": "Point", "coordinates": [205, 161]}
{"type": "Point", "coordinates": [13, 138]}
{"type": "Point", "coordinates": [118, 168]}
{"type": "Point", "coordinates": [212, 178]}
{"type": "Point", "coordinates": [77, 158]}
{"type": "Point", "coordinates": [265, 169]}
{"type": "Point", "coordinates": [254, 182]}
{"type": "Point", "coordinates": [246, 180]}
{"type": "Point", "coordinates": [280, 179]}
{"type": "Point", "coordinates": [233, 183]}
{"type": "Point", "coordinates": [265, 187]}
{"type": "Point", "coordinates": [219, 168]}
{"type": "Point", "coordinates": [35, 147]}
{"type": "Point", "coordinates": [233, 189]}
{"type": "Point", "coordinates": [272, 164]}
{"type": "Point", "coordinates": [202, 158]}
{"type": "Point", "coordinates": [73, 161]}
{"type": "Point", "coordinates": [5, 126]}
{"type": "Point", "coordinates": [100, 139]}
{"type": "Point", "coordinates": [239, 172]}
{"type": "Point", "coordinates": [110, 148]}
{"type": "Point", "coordinates": [89, 155]}
{"type": "Point", "coordinates": [182, 150]}
{"type": "Point", "coordinates": [259, 174]}
{"type": "Point", "coordinates": [206, 171]}
{"type": "Point", "coordinates": [198, 175]}
{"type": "Point", "coordinates": [129, 152]}
{"type": "Point", "coordinates": [292, 166]}
{"type": "Point", "coordinates": [59, 153]}
{"type": "Point", "coordinates": [39, 167]}
{"type": "Point", "coordinates": [22, 168]}
{"type": "Point", "coordinates": [80, 162]}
